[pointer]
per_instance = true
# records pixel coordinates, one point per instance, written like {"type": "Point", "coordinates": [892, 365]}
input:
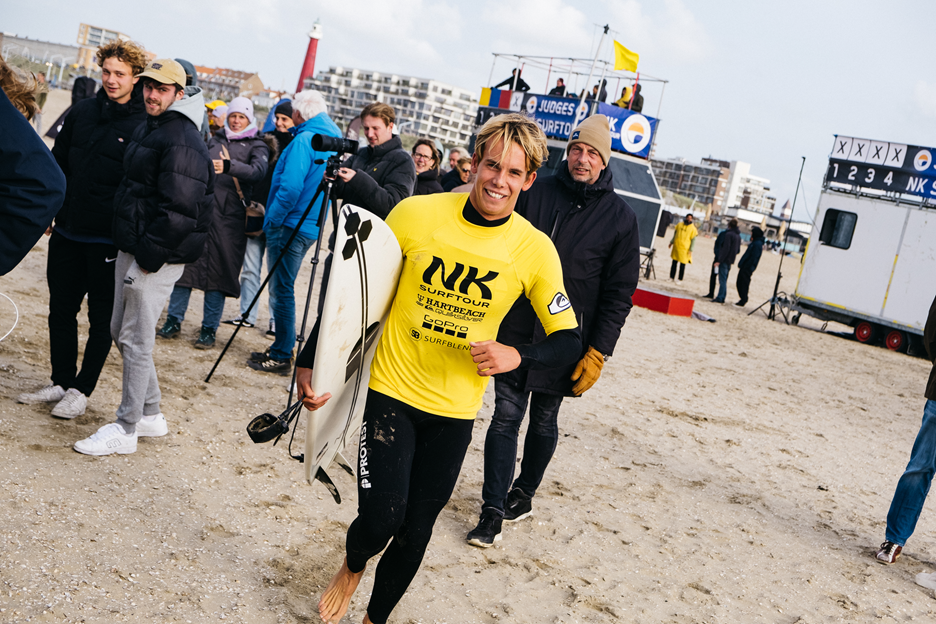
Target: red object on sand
{"type": "Point", "coordinates": [664, 302]}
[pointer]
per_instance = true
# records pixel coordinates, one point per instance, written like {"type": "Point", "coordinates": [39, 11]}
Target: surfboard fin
{"type": "Point", "coordinates": [344, 463]}
{"type": "Point", "coordinates": [327, 482]}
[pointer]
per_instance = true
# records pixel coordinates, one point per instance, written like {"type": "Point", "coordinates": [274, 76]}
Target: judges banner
{"type": "Point", "coordinates": [555, 115]}
{"type": "Point", "coordinates": [883, 166]}
{"type": "Point", "coordinates": [630, 132]}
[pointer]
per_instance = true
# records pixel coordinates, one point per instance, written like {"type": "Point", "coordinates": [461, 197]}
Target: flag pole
{"type": "Point", "coordinates": [548, 74]}
{"type": "Point", "coordinates": [591, 72]}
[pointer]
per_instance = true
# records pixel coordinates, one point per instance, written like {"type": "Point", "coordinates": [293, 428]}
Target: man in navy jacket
{"type": "Point", "coordinates": [32, 186]}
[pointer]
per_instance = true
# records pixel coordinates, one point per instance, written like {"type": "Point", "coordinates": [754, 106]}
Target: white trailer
{"type": "Point", "coordinates": [871, 264]}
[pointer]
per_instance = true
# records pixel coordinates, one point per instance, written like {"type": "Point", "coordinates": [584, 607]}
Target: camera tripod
{"type": "Point", "coordinates": [326, 188]}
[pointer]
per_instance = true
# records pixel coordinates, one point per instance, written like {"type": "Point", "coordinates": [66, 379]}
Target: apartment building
{"type": "Point", "coordinates": [425, 108]}
{"type": "Point", "coordinates": [226, 84]}
{"type": "Point", "coordinates": [748, 191]}
{"type": "Point", "coordinates": [706, 182]}
{"type": "Point", "coordinates": [718, 183]}
{"type": "Point", "coordinates": [90, 38]}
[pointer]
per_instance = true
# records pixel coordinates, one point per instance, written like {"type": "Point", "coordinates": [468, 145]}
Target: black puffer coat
{"type": "Point", "coordinates": [220, 266]}
{"type": "Point", "coordinates": [90, 150]}
{"type": "Point", "coordinates": [162, 209]}
{"type": "Point", "coordinates": [427, 183]}
{"type": "Point", "coordinates": [595, 233]}
{"type": "Point", "coordinates": [389, 177]}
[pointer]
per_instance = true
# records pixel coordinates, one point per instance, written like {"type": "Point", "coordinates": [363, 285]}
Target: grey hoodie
{"type": "Point", "coordinates": [192, 105]}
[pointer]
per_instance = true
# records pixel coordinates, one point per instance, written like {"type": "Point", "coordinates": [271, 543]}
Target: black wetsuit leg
{"type": "Point", "coordinates": [408, 464]}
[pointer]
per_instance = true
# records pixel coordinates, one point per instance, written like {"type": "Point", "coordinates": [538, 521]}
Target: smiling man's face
{"type": "Point", "coordinates": [498, 183]}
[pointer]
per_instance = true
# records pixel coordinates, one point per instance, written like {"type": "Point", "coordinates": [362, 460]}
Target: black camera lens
{"type": "Point", "coordinates": [325, 143]}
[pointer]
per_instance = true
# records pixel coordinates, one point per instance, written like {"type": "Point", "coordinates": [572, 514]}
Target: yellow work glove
{"type": "Point", "coordinates": [587, 371]}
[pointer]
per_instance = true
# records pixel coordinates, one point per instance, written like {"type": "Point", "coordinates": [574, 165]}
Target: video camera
{"type": "Point", "coordinates": [325, 143]}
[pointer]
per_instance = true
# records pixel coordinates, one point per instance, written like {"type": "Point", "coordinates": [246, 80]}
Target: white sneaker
{"type": "Point", "coordinates": [72, 404]}
{"type": "Point", "coordinates": [152, 426]}
{"type": "Point", "coordinates": [49, 394]}
{"type": "Point", "coordinates": [109, 439]}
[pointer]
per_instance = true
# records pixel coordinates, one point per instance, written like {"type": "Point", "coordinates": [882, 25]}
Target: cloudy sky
{"type": "Point", "coordinates": [763, 82]}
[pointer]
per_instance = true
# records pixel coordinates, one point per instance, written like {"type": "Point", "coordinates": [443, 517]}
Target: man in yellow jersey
{"type": "Point", "coordinates": [467, 258]}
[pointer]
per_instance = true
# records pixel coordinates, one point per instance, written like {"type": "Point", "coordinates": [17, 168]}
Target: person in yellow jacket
{"type": "Point", "coordinates": [683, 242]}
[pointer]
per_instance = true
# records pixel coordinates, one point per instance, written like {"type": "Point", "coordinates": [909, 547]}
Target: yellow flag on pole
{"type": "Point", "coordinates": [624, 58]}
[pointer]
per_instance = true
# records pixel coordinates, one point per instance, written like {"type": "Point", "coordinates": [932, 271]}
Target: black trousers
{"type": "Point", "coordinates": [744, 284]}
{"type": "Point", "coordinates": [408, 464]}
{"type": "Point", "coordinates": [682, 269]}
{"type": "Point", "coordinates": [74, 270]}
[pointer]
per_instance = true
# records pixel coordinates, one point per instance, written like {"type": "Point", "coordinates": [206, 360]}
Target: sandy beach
{"type": "Point", "coordinates": [732, 472]}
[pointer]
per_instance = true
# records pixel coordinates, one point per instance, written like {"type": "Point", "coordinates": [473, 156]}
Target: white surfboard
{"type": "Point", "coordinates": [363, 280]}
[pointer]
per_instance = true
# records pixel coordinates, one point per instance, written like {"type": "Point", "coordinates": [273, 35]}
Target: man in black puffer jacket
{"type": "Point", "coordinates": [382, 174]}
{"type": "Point", "coordinates": [595, 233]}
{"type": "Point", "coordinates": [162, 211]}
{"type": "Point", "coordinates": [89, 149]}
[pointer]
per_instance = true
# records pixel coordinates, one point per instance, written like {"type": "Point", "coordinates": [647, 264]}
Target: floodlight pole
{"type": "Point", "coordinates": [774, 301]}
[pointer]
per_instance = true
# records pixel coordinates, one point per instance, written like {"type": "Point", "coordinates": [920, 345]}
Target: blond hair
{"type": "Point", "coordinates": [126, 51]}
{"type": "Point", "coordinates": [380, 111]}
{"type": "Point", "coordinates": [20, 87]}
{"type": "Point", "coordinates": [514, 128]}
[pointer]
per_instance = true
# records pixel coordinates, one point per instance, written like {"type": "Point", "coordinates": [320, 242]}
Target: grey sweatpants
{"type": "Point", "coordinates": [138, 301]}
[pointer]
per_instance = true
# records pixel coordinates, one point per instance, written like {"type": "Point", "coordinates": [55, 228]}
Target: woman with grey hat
{"type": "Point", "coordinates": [277, 140]}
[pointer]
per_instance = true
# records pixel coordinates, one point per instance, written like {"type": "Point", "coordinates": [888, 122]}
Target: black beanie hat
{"type": "Point", "coordinates": [283, 108]}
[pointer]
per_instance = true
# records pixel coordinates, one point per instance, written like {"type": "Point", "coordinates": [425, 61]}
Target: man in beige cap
{"type": "Point", "coordinates": [595, 233]}
{"type": "Point", "coordinates": [162, 210]}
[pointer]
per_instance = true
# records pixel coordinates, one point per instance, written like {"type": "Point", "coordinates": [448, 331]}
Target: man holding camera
{"type": "Point", "coordinates": [382, 174]}
{"type": "Point", "coordinates": [295, 180]}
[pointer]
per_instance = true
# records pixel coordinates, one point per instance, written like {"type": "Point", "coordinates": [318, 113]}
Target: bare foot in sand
{"type": "Point", "coordinates": [337, 596]}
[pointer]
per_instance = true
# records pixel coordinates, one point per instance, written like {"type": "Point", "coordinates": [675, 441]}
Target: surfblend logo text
{"type": "Point", "coordinates": [460, 278]}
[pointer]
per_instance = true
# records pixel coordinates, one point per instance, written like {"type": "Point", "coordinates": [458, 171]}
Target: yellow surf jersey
{"type": "Point", "coordinates": [457, 284]}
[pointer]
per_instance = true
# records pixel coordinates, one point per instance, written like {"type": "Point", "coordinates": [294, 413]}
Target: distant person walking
{"type": "Point", "coordinates": [727, 246]}
{"type": "Point", "coordinates": [240, 160]}
{"type": "Point", "coordinates": [683, 243]}
{"type": "Point", "coordinates": [748, 263]}
{"type": "Point", "coordinates": [914, 485]}
{"type": "Point", "coordinates": [162, 211]}
{"type": "Point", "coordinates": [80, 264]}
